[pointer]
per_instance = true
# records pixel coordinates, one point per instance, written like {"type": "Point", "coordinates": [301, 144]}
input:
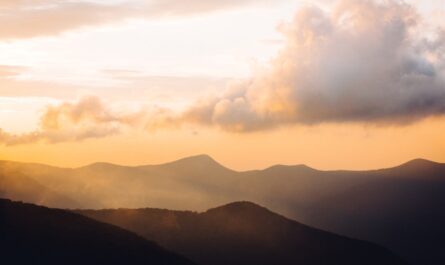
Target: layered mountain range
{"type": "Point", "coordinates": [238, 233]}
{"type": "Point", "coordinates": [33, 234]}
{"type": "Point", "coordinates": [399, 208]}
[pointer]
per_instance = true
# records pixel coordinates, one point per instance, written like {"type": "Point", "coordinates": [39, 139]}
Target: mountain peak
{"type": "Point", "coordinates": [101, 166]}
{"type": "Point", "coordinates": [200, 158]}
{"type": "Point", "coordinates": [419, 164]}
{"type": "Point", "coordinates": [238, 204]}
{"type": "Point", "coordinates": [238, 207]}
{"type": "Point", "coordinates": [291, 168]}
{"type": "Point", "coordinates": [420, 161]}
{"type": "Point", "coordinates": [202, 161]}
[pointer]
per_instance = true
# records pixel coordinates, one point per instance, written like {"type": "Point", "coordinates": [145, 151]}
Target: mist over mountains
{"type": "Point", "coordinates": [399, 208]}
{"type": "Point", "coordinates": [33, 234]}
{"type": "Point", "coordinates": [237, 233]}
{"type": "Point", "coordinates": [243, 233]}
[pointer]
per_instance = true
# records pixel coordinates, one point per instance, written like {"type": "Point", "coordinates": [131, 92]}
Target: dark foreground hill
{"type": "Point", "coordinates": [243, 233]}
{"type": "Point", "coordinates": [32, 234]}
{"type": "Point", "coordinates": [400, 208]}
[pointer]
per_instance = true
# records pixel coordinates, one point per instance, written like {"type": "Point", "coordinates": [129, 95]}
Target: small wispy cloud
{"type": "Point", "coordinates": [9, 71]}
{"type": "Point", "coordinates": [87, 118]}
{"type": "Point", "coordinates": [32, 18]}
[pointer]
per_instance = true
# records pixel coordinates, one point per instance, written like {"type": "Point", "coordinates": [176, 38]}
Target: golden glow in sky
{"type": "Point", "coordinates": [332, 84]}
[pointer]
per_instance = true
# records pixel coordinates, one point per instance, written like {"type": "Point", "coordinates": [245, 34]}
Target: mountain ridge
{"type": "Point", "coordinates": [204, 158]}
{"type": "Point", "coordinates": [399, 207]}
{"type": "Point", "coordinates": [244, 233]}
{"type": "Point", "coordinates": [39, 235]}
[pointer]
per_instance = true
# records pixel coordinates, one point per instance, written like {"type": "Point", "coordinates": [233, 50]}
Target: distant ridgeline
{"type": "Point", "coordinates": [400, 208]}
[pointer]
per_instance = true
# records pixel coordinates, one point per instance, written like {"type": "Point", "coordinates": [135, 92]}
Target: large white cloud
{"type": "Point", "coordinates": [362, 61]}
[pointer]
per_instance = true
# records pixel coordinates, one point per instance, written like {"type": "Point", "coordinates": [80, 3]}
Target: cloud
{"type": "Point", "coordinates": [363, 61]}
{"type": "Point", "coordinates": [67, 122]}
{"type": "Point", "coordinates": [31, 18]}
{"type": "Point", "coordinates": [9, 71]}
{"type": "Point", "coordinates": [10, 139]}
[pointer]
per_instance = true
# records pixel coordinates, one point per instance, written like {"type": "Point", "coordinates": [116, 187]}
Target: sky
{"type": "Point", "coordinates": [345, 84]}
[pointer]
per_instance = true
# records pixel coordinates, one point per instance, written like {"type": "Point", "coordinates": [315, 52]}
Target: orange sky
{"type": "Point", "coordinates": [322, 147]}
{"type": "Point", "coordinates": [251, 83]}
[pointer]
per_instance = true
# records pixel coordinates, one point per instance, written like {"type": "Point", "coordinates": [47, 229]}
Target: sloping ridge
{"type": "Point", "coordinates": [196, 162]}
{"type": "Point", "coordinates": [419, 165]}
{"type": "Point", "coordinates": [38, 235]}
{"type": "Point", "coordinates": [22, 188]}
{"type": "Point", "coordinates": [398, 207]}
{"type": "Point", "coordinates": [244, 233]}
{"type": "Point", "coordinates": [103, 166]}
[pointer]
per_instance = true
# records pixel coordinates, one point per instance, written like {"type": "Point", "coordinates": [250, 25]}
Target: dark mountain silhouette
{"type": "Point", "coordinates": [244, 233]}
{"type": "Point", "coordinates": [37, 235]}
{"type": "Point", "coordinates": [193, 163]}
{"type": "Point", "coordinates": [399, 208]}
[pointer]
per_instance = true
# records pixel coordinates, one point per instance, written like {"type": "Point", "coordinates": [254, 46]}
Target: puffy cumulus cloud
{"type": "Point", "coordinates": [363, 61]}
{"type": "Point", "coordinates": [87, 110]}
{"type": "Point", "coordinates": [87, 118]}
{"type": "Point", "coordinates": [31, 18]}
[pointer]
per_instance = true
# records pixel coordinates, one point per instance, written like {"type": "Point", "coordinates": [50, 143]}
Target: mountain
{"type": "Point", "coordinates": [244, 233]}
{"type": "Point", "coordinates": [400, 208]}
{"type": "Point", "coordinates": [37, 235]}
{"type": "Point", "coordinates": [22, 188]}
{"type": "Point", "coordinates": [195, 181]}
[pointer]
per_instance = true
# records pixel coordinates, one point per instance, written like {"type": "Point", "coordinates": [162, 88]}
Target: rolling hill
{"type": "Point", "coordinates": [244, 233]}
{"type": "Point", "coordinates": [399, 208]}
{"type": "Point", "coordinates": [37, 235]}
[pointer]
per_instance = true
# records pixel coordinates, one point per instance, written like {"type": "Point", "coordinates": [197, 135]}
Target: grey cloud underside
{"type": "Point", "coordinates": [362, 62]}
